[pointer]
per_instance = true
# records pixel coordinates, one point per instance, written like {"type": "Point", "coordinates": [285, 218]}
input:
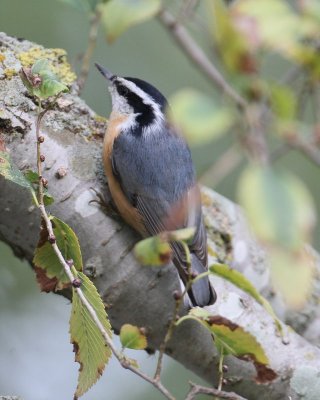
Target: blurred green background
{"type": "Point", "coordinates": [36, 357]}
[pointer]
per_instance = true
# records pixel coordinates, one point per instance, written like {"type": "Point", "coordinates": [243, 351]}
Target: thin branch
{"type": "Point", "coordinates": [308, 148]}
{"type": "Point", "coordinates": [172, 323]}
{"type": "Point", "coordinates": [197, 55]}
{"type": "Point", "coordinates": [223, 166]}
{"type": "Point", "coordinates": [196, 389]}
{"type": "Point", "coordinates": [125, 363]}
{"type": "Point", "coordinates": [92, 41]}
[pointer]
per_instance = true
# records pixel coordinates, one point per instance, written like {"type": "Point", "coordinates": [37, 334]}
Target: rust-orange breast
{"type": "Point", "coordinates": [129, 213]}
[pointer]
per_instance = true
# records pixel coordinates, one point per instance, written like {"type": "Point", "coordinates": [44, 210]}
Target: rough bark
{"type": "Point", "coordinates": [135, 294]}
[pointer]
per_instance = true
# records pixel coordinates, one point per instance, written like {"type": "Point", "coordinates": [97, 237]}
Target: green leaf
{"type": "Point", "coordinates": [233, 46]}
{"type": "Point", "coordinates": [47, 83]}
{"type": "Point", "coordinates": [239, 280]}
{"type": "Point", "coordinates": [278, 206]}
{"type": "Point", "coordinates": [120, 15]}
{"type": "Point", "coordinates": [47, 198]}
{"type": "Point", "coordinates": [292, 275]}
{"type": "Point", "coordinates": [184, 235]}
{"type": "Point", "coordinates": [232, 339]}
{"type": "Point", "coordinates": [199, 118]}
{"type": "Point", "coordinates": [33, 178]}
{"type": "Point", "coordinates": [9, 171]}
{"type": "Point", "coordinates": [49, 271]}
{"type": "Point", "coordinates": [273, 19]}
{"type": "Point", "coordinates": [283, 101]}
{"type": "Point", "coordinates": [153, 251]}
{"type": "Point", "coordinates": [131, 337]}
{"type": "Point", "coordinates": [91, 351]}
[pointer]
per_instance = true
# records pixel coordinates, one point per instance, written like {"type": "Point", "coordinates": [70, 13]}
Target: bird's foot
{"type": "Point", "coordinates": [105, 202]}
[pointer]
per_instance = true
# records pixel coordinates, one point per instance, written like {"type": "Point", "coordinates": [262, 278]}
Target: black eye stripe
{"type": "Point", "coordinates": [122, 90]}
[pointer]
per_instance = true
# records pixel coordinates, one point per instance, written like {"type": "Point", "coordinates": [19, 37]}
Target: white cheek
{"type": "Point", "coordinates": [119, 104]}
{"type": "Point", "coordinates": [129, 123]}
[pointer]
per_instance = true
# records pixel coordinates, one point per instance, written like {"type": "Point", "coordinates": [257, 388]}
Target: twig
{"type": "Point", "coordinates": [223, 166]}
{"type": "Point", "coordinates": [196, 54]}
{"type": "Point", "coordinates": [172, 324]}
{"type": "Point", "coordinates": [125, 363]}
{"type": "Point", "coordinates": [305, 147]}
{"type": "Point", "coordinates": [92, 40]}
{"type": "Point", "coordinates": [196, 389]}
{"type": "Point", "coordinates": [167, 337]}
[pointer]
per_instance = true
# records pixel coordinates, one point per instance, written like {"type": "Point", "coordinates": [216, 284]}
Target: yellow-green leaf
{"type": "Point", "coordinates": [120, 15]}
{"type": "Point", "coordinates": [50, 272]}
{"type": "Point", "coordinates": [41, 81]}
{"type": "Point", "coordinates": [278, 206]}
{"type": "Point", "coordinates": [273, 23]}
{"type": "Point", "coordinates": [153, 251]}
{"type": "Point", "coordinates": [283, 101]}
{"type": "Point", "coordinates": [239, 280]}
{"type": "Point", "coordinates": [233, 46]}
{"type": "Point", "coordinates": [199, 118]}
{"type": "Point", "coordinates": [185, 234]}
{"type": "Point", "coordinates": [292, 275]}
{"type": "Point", "coordinates": [91, 351]}
{"type": "Point", "coordinates": [132, 337]}
{"type": "Point", "coordinates": [232, 339]}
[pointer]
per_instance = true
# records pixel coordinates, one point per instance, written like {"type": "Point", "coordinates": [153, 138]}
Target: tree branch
{"type": "Point", "coordinates": [196, 389]}
{"type": "Point", "coordinates": [196, 54]}
{"type": "Point", "coordinates": [134, 294]}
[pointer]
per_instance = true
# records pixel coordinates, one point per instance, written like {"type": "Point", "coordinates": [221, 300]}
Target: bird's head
{"type": "Point", "coordinates": [137, 99]}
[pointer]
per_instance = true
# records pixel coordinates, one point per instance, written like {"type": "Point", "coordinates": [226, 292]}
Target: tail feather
{"type": "Point", "coordinates": [201, 292]}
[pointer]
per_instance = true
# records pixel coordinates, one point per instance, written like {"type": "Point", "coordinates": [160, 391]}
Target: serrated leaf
{"type": "Point", "coordinates": [199, 117]}
{"type": "Point", "coordinates": [49, 271]}
{"type": "Point", "coordinates": [278, 206]}
{"type": "Point", "coordinates": [292, 275]}
{"type": "Point", "coordinates": [131, 337]}
{"type": "Point", "coordinates": [120, 15]}
{"type": "Point", "coordinates": [9, 171]}
{"type": "Point", "coordinates": [239, 280]}
{"type": "Point", "coordinates": [232, 339]}
{"type": "Point", "coordinates": [91, 351]}
{"type": "Point", "coordinates": [153, 251]}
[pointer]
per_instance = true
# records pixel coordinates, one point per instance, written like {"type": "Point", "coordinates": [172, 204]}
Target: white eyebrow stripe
{"type": "Point", "coordinates": [148, 100]}
{"type": "Point", "coordinates": [159, 118]}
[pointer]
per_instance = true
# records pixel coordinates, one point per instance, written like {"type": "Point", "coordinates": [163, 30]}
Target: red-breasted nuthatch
{"type": "Point", "coordinates": [151, 175]}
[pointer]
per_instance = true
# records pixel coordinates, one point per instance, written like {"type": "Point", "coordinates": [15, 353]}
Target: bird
{"type": "Point", "coordinates": [151, 176]}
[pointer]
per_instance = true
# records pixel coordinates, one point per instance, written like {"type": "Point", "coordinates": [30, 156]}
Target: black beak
{"type": "Point", "coordinates": [105, 72]}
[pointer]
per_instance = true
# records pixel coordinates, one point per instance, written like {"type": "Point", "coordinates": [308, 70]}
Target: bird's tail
{"type": "Point", "coordinates": [201, 292]}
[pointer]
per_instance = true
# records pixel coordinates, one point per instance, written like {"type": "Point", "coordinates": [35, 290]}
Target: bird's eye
{"type": "Point", "coordinates": [122, 90]}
